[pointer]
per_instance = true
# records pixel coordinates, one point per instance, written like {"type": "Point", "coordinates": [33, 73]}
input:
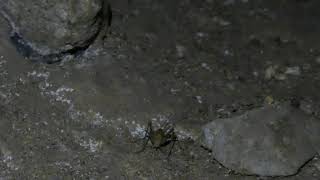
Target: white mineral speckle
{"type": "Point", "coordinates": [139, 131]}
{"type": "Point", "coordinates": [44, 75]}
{"type": "Point", "coordinates": [199, 99]}
{"type": "Point", "coordinates": [59, 95]}
{"type": "Point", "coordinates": [92, 145]}
{"type": "Point", "coordinates": [206, 66]}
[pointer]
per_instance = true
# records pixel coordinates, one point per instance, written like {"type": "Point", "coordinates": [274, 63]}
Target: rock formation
{"type": "Point", "coordinates": [46, 30]}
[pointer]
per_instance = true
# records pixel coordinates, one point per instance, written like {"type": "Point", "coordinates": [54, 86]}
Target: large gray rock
{"type": "Point", "coordinates": [53, 27]}
{"type": "Point", "coordinates": [269, 141]}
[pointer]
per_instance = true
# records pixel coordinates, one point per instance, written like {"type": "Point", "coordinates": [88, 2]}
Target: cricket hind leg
{"type": "Point", "coordinates": [143, 146]}
{"type": "Point", "coordinates": [146, 138]}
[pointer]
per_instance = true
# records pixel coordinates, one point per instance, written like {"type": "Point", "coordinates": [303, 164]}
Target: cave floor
{"type": "Point", "coordinates": [186, 62]}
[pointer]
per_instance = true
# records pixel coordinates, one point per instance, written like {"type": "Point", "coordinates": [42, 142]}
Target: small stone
{"type": "Point", "coordinates": [270, 72]}
{"type": "Point", "coordinates": [280, 77]}
{"type": "Point", "coordinates": [224, 22]}
{"type": "Point", "coordinates": [295, 71]}
{"type": "Point", "coordinates": [202, 34]}
{"type": "Point", "coordinates": [227, 52]}
{"type": "Point", "coordinates": [180, 51]}
{"type": "Point", "coordinates": [221, 21]}
{"type": "Point", "coordinates": [269, 100]}
{"type": "Point", "coordinates": [206, 66]}
{"type": "Point", "coordinates": [199, 99]}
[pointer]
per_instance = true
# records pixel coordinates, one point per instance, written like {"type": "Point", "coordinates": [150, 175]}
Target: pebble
{"type": "Point", "coordinates": [199, 99]}
{"type": "Point", "coordinates": [270, 72]}
{"type": "Point", "coordinates": [202, 34]}
{"type": "Point", "coordinates": [295, 71]}
{"type": "Point", "coordinates": [269, 100]}
{"type": "Point", "coordinates": [206, 66]}
{"type": "Point", "coordinates": [280, 77]}
{"type": "Point", "coordinates": [227, 52]}
{"type": "Point", "coordinates": [180, 51]}
{"type": "Point", "coordinates": [221, 21]}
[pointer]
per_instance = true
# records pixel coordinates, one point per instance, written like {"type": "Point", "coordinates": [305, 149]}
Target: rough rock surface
{"type": "Point", "coordinates": [269, 141]}
{"type": "Point", "coordinates": [185, 61]}
{"type": "Point", "coordinates": [53, 27]}
{"type": "Point", "coordinates": [313, 132]}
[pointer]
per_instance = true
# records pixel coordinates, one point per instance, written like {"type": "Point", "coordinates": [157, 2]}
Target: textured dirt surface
{"type": "Point", "coordinates": [187, 62]}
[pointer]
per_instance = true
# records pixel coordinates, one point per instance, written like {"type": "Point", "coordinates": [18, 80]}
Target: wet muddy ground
{"type": "Point", "coordinates": [186, 62]}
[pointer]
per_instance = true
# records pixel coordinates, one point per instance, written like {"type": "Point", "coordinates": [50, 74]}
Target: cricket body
{"type": "Point", "coordinates": [160, 137]}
